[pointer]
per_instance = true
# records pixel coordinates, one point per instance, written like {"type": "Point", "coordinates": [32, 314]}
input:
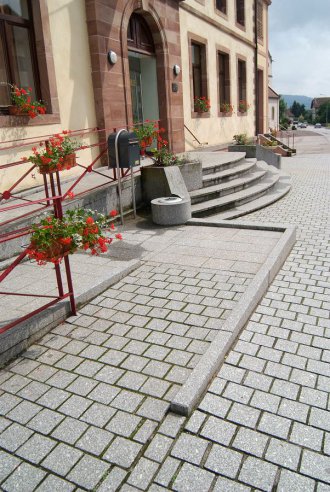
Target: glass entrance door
{"type": "Point", "coordinates": [136, 89]}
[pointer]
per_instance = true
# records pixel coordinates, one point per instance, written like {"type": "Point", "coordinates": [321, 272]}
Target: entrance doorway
{"type": "Point", "coordinates": [143, 72]}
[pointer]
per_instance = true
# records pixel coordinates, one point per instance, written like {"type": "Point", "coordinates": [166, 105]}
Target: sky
{"type": "Point", "coordinates": [299, 42]}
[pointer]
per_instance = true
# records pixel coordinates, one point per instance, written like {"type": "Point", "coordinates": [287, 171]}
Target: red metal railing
{"type": "Point", "coordinates": [52, 199]}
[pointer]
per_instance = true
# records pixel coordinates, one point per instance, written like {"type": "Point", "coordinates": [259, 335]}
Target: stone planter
{"type": "Point", "coordinates": [155, 183]}
{"type": "Point", "coordinates": [250, 150]}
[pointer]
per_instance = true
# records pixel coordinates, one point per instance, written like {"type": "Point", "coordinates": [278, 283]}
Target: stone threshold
{"type": "Point", "coordinates": [192, 391]}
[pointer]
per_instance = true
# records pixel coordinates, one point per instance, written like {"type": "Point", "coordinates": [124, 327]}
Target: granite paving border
{"type": "Point", "coordinates": [194, 388]}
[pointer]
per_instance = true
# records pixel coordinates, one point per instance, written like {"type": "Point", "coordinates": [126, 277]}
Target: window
{"type": "Point", "coordinates": [198, 70]}
{"type": "Point", "coordinates": [273, 113]}
{"type": "Point", "coordinates": [221, 5]}
{"type": "Point", "coordinates": [240, 12]}
{"type": "Point", "coordinates": [241, 68]}
{"type": "Point", "coordinates": [260, 23]}
{"type": "Point", "coordinates": [224, 79]}
{"type": "Point", "coordinates": [17, 53]}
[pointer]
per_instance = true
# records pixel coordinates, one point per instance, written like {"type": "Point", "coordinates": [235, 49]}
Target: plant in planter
{"type": "Point", "coordinates": [202, 104]}
{"type": "Point", "coordinates": [241, 139]}
{"type": "Point", "coordinates": [54, 238]}
{"type": "Point", "coordinates": [243, 106]}
{"type": "Point", "coordinates": [226, 108]}
{"type": "Point", "coordinates": [162, 156]}
{"type": "Point", "coordinates": [23, 104]}
{"type": "Point", "coordinates": [57, 154]}
{"type": "Point", "coordinates": [146, 133]}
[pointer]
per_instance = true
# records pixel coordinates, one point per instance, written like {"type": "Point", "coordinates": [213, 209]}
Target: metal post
{"type": "Point", "coordinates": [133, 193]}
{"type": "Point", "coordinates": [118, 173]}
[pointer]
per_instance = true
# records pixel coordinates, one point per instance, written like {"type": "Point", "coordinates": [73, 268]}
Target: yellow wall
{"type": "Point", "coordinates": [200, 18]}
{"type": "Point", "coordinates": [74, 86]}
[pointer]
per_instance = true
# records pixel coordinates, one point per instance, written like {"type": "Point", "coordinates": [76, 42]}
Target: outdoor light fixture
{"type": "Point", "coordinates": [112, 57]}
{"type": "Point", "coordinates": [176, 69]}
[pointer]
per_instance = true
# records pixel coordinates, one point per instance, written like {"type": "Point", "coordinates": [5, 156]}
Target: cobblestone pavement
{"type": "Point", "coordinates": [74, 422]}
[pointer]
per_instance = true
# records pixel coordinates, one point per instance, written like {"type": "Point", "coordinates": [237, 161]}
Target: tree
{"type": "Point", "coordinates": [297, 109]}
{"type": "Point", "coordinates": [283, 109]}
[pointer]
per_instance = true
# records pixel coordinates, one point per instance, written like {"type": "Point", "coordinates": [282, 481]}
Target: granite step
{"type": "Point", "coordinates": [227, 187]}
{"type": "Point", "coordinates": [237, 198]}
{"type": "Point", "coordinates": [216, 161]}
{"type": "Point", "coordinates": [230, 173]}
{"type": "Point", "coordinates": [278, 191]}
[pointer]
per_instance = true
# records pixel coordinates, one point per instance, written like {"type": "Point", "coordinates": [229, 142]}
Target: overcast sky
{"type": "Point", "coordinates": [299, 42]}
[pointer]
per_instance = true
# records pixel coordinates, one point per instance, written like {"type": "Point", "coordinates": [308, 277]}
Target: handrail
{"type": "Point", "coordinates": [191, 133]}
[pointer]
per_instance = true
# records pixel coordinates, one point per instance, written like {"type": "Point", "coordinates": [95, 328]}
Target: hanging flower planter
{"type": "Point", "coordinates": [53, 239]}
{"type": "Point", "coordinates": [23, 105]}
{"type": "Point", "coordinates": [57, 155]}
{"type": "Point", "coordinates": [64, 164]}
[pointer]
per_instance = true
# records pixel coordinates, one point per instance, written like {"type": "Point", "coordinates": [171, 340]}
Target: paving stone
{"type": "Point", "coordinates": [104, 393]}
{"type": "Point", "coordinates": [7, 402]}
{"type": "Point", "coordinates": [258, 381]}
{"type": "Point", "coordinates": [284, 454]}
{"type": "Point", "coordinates": [313, 397]}
{"type": "Point", "coordinates": [69, 362]}
{"type": "Point", "coordinates": [53, 398]}
{"type": "Point", "coordinates": [167, 471]}
{"type": "Point", "coordinates": [36, 448]}
{"type": "Point", "coordinates": [132, 380]}
{"type": "Point", "coordinates": [123, 424]}
{"type": "Point", "coordinates": [61, 379]}
{"type": "Point", "coordinates": [315, 465]}
{"type": "Point", "coordinates": [113, 480]}
{"type": "Point", "coordinates": [143, 473]}
{"type": "Point", "coordinates": [217, 386]}
{"type": "Point", "coordinates": [153, 409]}
{"type": "Point", "coordinates": [293, 410]}
{"type": "Point", "coordinates": [45, 421]}
{"type": "Point", "coordinates": [24, 412]}
{"type": "Point", "coordinates": [237, 393]}
{"type": "Point", "coordinates": [225, 485]}
{"type": "Point", "coordinates": [195, 422]}
{"type": "Point", "coordinates": [218, 430]}
{"type": "Point", "coordinates": [215, 405]}
{"type": "Point", "coordinates": [178, 374]}
{"type": "Point", "coordinates": [145, 431]}
{"type": "Point", "coordinates": [98, 414]}
{"type": "Point", "coordinates": [55, 484]}
{"type": "Point", "coordinates": [26, 477]}
{"type": "Point", "coordinates": [127, 401]}
{"type": "Point", "coordinates": [158, 448]}
{"type": "Point", "coordinates": [88, 472]}
{"type": "Point", "coordinates": [319, 418]}
{"type": "Point", "coordinates": [274, 425]}
{"type": "Point", "coordinates": [265, 401]}
{"type": "Point", "coordinates": [14, 436]}
{"type": "Point", "coordinates": [242, 414]}
{"type": "Point", "coordinates": [223, 461]}
{"type": "Point", "coordinates": [69, 430]}
{"type": "Point", "coordinates": [258, 473]}
{"type": "Point", "coordinates": [306, 436]}
{"type": "Point", "coordinates": [62, 459]}
{"type": "Point", "coordinates": [304, 378]}
{"type": "Point", "coordinates": [122, 452]}
{"type": "Point", "coordinates": [8, 463]}
{"type": "Point", "coordinates": [171, 425]}
{"type": "Point", "coordinates": [155, 387]}
{"type": "Point", "coordinates": [156, 368]}
{"type": "Point", "coordinates": [4, 423]}
{"type": "Point", "coordinates": [231, 373]}
{"type": "Point", "coordinates": [192, 478]}
{"type": "Point", "coordinates": [109, 374]}
{"type": "Point", "coordinates": [33, 391]}
{"type": "Point", "coordinates": [286, 389]}
{"type": "Point", "coordinates": [189, 448]}
{"type": "Point", "coordinates": [250, 441]}
{"type": "Point", "coordinates": [294, 481]}
{"type": "Point", "coordinates": [74, 406]}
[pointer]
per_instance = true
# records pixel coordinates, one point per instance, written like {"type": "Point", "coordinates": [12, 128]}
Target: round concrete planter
{"type": "Point", "coordinates": [154, 181]}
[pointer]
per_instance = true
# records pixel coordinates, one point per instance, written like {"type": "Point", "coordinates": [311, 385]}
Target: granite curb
{"type": "Point", "coordinates": [194, 388]}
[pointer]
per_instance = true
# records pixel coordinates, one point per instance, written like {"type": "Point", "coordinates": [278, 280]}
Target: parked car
{"type": "Point", "coordinates": [317, 125]}
{"type": "Point", "coordinates": [303, 125]}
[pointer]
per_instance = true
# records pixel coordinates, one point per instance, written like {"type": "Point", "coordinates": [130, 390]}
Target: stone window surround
{"type": "Point", "coordinates": [194, 38]}
{"type": "Point", "coordinates": [46, 71]}
{"type": "Point", "coordinates": [243, 59]}
{"type": "Point", "coordinates": [223, 49]}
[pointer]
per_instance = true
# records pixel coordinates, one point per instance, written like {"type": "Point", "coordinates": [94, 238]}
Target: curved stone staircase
{"type": "Point", "coordinates": [234, 185]}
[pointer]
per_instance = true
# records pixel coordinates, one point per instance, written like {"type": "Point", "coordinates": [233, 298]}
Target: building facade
{"type": "Point", "coordinates": [110, 63]}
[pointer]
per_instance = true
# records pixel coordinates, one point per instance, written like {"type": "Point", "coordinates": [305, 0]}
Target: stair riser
{"type": "Point", "coordinates": [221, 167]}
{"type": "Point", "coordinates": [227, 206]}
{"type": "Point", "coordinates": [216, 181]}
{"type": "Point", "coordinates": [219, 194]}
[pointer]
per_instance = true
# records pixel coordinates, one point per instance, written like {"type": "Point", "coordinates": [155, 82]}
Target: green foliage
{"type": "Point", "coordinates": [298, 109]}
{"type": "Point", "coordinates": [283, 109]}
{"type": "Point", "coordinates": [241, 139]}
{"type": "Point", "coordinates": [323, 113]}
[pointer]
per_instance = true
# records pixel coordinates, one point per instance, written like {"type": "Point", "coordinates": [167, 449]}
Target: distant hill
{"type": "Point", "coordinates": [289, 99]}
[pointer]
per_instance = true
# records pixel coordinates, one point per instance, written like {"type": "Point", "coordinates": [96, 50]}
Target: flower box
{"type": "Point", "coordinates": [67, 163]}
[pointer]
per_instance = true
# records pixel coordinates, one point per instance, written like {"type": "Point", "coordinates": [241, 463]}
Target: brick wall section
{"type": "Point", "coordinates": [107, 22]}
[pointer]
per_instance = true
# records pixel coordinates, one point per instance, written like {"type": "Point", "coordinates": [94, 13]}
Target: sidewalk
{"type": "Point", "coordinates": [87, 407]}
